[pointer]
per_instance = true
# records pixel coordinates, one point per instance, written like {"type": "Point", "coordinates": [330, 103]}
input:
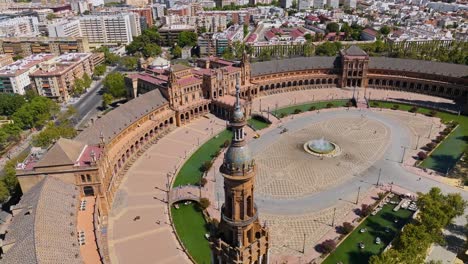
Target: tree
{"type": "Point", "coordinates": [308, 37]}
{"type": "Point", "coordinates": [51, 16]}
{"type": "Point", "coordinates": [347, 227]}
{"type": "Point", "coordinates": [35, 113]}
{"type": "Point", "coordinates": [328, 49]}
{"type": "Point", "coordinates": [228, 54]}
{"type": "Point", "coordinates": [246, 30]}
{"type": "Point", "coordinates": [385, 30]}
{"type": "Point", "coordinates": [294, 4]}
{"type": "Point", "coordinates": [107, 99]}
{"type": "Point", "coordinates": [52, 133]}
{"type": "Point", "coordinates": [365, 210]}
{"type": "Point", "coordinates": [4, 193]}
{"type": "Point", "coordinates": [10, 103]}
{"type": "Point", "coordinates": [187, 38]}
{"type": "Point", "coordinates": [206, 166]}
{"type": "Point", "coordinates": [114, 84]}
{"type": "Point", "coordinates": [265, 55]}
{"type": "Point", "coordinates": [79, 87]}
{"type": "Point", "coordinates": [100, 70]}
{"type": "Point", "coordinates": [422, 155]}
{"type": "Point", "coordinates": [151, 50]}
{"type": "Point", "coordinates": [87, 81]}
{"type": "Point", "coordinates": [333, 27]}
{"type": "Point", "coordinates": [203, 182]}
{"type": "Point", "coordinates": [129, 63]}
{"type": "Point", "coordinates": [176, 52]}
{"type": "Point", "coordinates": [326, 246]}
{"type": "Point", "coordinates": [204, 203]}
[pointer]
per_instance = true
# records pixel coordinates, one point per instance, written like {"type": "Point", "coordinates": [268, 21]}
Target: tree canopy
{"type": "Point", "coordinates": [100, 70]}
{"type": "Point", "coordinates": [328, 49]}
{"type": "Point", "coordinates": [333, 27]}
{"type": "Point", "coordinates": [114, 84]}
{"type": "Point", "coordinates": [146, 44]}
{"type": "Point", "coordinates": [187, 38]}
{"type": "Point", "coordinates": [436, 211]}
{"type": "Point", "coordinates": [10, 103]}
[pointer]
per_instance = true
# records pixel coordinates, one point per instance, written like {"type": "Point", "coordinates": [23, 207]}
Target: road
{"type": "Point", "coordinates": [87, 105]}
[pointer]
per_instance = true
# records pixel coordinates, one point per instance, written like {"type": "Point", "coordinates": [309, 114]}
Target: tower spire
{"type": "Point", "coordinates": [242, 239]}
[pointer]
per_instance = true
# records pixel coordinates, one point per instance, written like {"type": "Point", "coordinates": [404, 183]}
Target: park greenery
{"type": "Point", "coordinates": [114, 88]}
{"type": "Point", "coordinates": [62, 127]}
{"type": "Point", "coordinates": [100, 70]}
{"type": "Point", "coordinates": [437, 210]}
{"type": "Point", "coordinates": [147, 44]}
{"type": "Point", "coordinates": [81, 84]}
{"type": "Point", "coordinates": [130, 63]}
{"type": "Point", "coordinates": [28, 111]}
{"type": "Point", "coordinates": [444, 157]}
{"type": "Point", "coordinates": [109, 57]}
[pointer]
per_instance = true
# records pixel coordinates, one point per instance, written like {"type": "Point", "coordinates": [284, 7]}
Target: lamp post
{"type": "Point", "coordinates": [378, 179]}
{"type": "Point", "coordinates": [358, 192]}
{"type": "Point", "coordinates": [417, 142]}
{"type": "Point", "coordinates": [333, 220]}
{"type": "Point", "coordinates": [430, 131]}
{"type": "Point", "coordinates": [404, 152]}
{"type": "Point", "coordinates": [303, 244]}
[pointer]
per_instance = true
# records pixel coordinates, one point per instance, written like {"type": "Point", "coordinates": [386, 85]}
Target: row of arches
{"type": "Point", "coordinates": [195, 112]}
{"type": "Point", "coordinates": [419, 87]}
{"type": "Point", "coordinates": [321, 81]}
{"type": "Point", "coordinates": [136, 145]}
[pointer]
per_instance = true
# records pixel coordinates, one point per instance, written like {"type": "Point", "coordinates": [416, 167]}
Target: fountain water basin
{"type": "Point", "coordinates": [322, 148]}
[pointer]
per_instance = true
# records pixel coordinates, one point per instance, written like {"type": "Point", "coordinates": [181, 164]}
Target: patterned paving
{"type": "Point", "coordinates": [286, 171]}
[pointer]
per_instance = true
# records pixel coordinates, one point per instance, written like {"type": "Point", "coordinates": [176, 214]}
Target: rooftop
{"type": "Point", "coordinates": [61, 64]}
{"type": "Point", "coordinates": [20, 66]}
{"type": "Point", "coordinates": [111, 124]}
{"type": "Point", "coordinates": [45, 219]}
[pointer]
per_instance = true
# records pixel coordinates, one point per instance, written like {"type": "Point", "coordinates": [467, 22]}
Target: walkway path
{"type": "Point", "coordinates": [139, 228]}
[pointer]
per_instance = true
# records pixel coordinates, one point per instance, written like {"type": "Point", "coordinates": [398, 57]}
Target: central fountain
{"type": "Point", "coordinates": [322, 148]}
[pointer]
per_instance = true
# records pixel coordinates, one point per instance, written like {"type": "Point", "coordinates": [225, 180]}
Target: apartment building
{"type": "Point", "coordinates": [26, 26]}
{"type": "Point", "coordinates": [65, 28]}
{"type": "Point", "coordinates": [170, 34]}
{"type": "Point", "coordinates": [14, 77]}
{"type": "Point", "coordinates": [110, 29]}
{"type": "Point", "coordinates": [5, 59]}
{"type": "Point", "coordinates": [29, 46]}
{"type": "Point", "coordinates": [56, 78]}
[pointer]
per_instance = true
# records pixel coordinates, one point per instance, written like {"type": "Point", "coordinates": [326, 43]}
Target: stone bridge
{"type": "Point", "coordinates": [184, 193]}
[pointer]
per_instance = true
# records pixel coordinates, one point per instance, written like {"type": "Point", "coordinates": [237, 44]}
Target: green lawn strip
{"type": "Point", "coordinates": [190, 172]}
{"type": "Point", "coordinates": [349, 252]}
{"type": "Point", "coordinates": [191, 228]}
{"type": "Point", "coordinates": [305, 107]}
{"type": "Point", "coordinates": [445, 156]}
{"type": "Point", "coordinates": [257, 124]}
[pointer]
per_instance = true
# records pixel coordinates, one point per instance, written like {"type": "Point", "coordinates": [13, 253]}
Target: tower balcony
{"type": "Point", "coordinates": [239, 223]}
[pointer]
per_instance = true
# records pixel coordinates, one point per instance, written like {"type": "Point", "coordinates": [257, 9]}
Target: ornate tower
{"type": "Point", "coordinates": [245, 69]}
{"type": "Point", "coordinates": [241, 238]}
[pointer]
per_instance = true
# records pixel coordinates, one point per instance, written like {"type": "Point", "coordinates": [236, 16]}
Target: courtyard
{"type": "Point", "coordinates": [298, 194]}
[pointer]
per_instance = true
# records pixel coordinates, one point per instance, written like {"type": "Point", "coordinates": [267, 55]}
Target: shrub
{"type": "Point", "coordinates": [395, 107]}
{"type": "Point", "coordinates": [204, 203]}
{"type": "Point", "coordinates": [281, 115]}
{"type": "Point", "coordinates": [203, 182]}
{"type": "Point", "coordinates": [432, 113]}
{"type": "Point", "coordinates": [329, 105]}
{"type": "Point", "coordinates": [226, 143]}
{"type": "Point", "coordinates": [375, 104]}
{"type": "Point", "coordinates": [347, 227]}
{"type": "Point", "coordinates": [422, 155]}
{"type": "Point", "coordinates": [326, 246]}
{"type": "Point", "coordinates": [297, 111]}
{"type": "Point", "coordinates": [413, 109]}
{"type": "Point", "coordinates": [381, 195]}
{"type": "Point", "coordinates": [439, 139]}
{"type": "Point", "coordinates": [430, 145]}
{"type": "Point", "coordinates": [312, 108]}
{"type": "Point", "coordinates": [349, 104]}
{"type": "Point", "coordinates": [365, 210]}
{"type": "Point", "coordinates": [206, 166]}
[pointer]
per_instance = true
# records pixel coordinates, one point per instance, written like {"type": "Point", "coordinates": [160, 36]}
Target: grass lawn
{"type": "Point", "coordinates": [446, 155]}
{"type": "Point", "coordinates": [257, 123]}
{"type": "Point", "coordinates": [349, 252]}
{"type": "Point", "coordinates": [305, 107]}
{"type": "Point", "coordinates": [190, 172]}
{"type": "Point", "coordinates": [191, 229]}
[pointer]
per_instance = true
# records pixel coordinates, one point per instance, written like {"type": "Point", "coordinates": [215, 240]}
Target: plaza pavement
{"type": "Point", "coordinates": [142, 191]}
